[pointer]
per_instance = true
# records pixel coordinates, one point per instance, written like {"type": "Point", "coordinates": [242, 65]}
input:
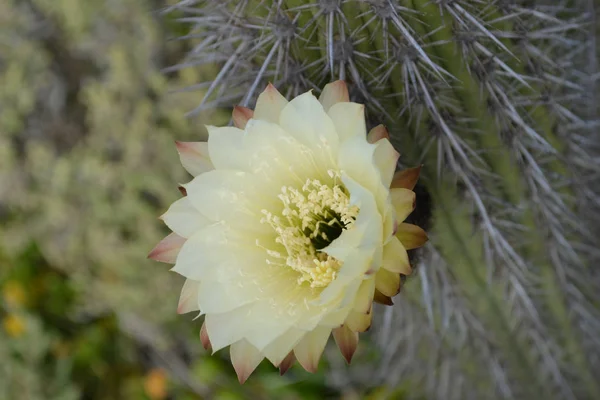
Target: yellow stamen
{"type": "Point", "coordinates": [306, 216]}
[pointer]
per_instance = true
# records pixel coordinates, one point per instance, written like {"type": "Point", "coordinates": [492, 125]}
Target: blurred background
{"type": "Point", "coordinates": [88, 119]}
{"type": "Point", "coordinates": [87, 164]}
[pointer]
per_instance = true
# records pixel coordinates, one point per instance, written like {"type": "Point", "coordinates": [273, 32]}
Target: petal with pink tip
{"type": "Point", "coordinates": [333, 93]}
{"type": "Point", "coordinates": [359, 322]}
{"type": "Point", "coordinates": [245, 358]}
{"type": "Point", "coordinates": [269, 105]}
{"type": "Point", "coordinates": [403, 201]}
{"type": "Point", "coordinates": [347, 341]}
{"type": "Point", "coordinates": [385, 158]}
{"type": "Point", "coordinates": [194, 157]}
{"type": "Point", "coordinates": [287, 363]}
{"type": "Point", "coordinates": [188, 300]}
{"type": "Point", "coordinates": [349, 120]}
{"type": "Point", "coordinates": [407, 178]}
{"type": "Point", "coordinates": [204, 337]}
{"type": "Point", "coordinates": [411, 236]}
{"type": "Point", "coordinates": [241, 115]}
{"type": "Point", "coordinates": [395, 257]}
{"type": "Point", "coordinates": [387, 282]}
{"type": "Point", "coordinates": [308, 351]}
{"type": "Point", "coordinates": [184, 219]}
{"type": "Point", "coordinates": [167, 249]}
{"type": "Point", "coordinates": [378, 133]}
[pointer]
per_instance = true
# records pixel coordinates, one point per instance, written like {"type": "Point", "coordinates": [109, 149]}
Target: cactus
{"type": "Point", "coordinates": [495, 98]}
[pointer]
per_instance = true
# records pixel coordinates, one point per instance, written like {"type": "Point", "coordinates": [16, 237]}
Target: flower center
{"type": "Point", "coordinates": [312, 217]}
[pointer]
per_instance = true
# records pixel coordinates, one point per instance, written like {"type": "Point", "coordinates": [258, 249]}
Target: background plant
{"type": "Point", "coordinates": [497, 99]}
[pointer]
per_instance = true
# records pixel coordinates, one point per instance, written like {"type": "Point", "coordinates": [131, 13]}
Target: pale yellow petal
{"type": "Point", "coordinates": [411, 236]}
{"type": "Point", "coordinates": [308, 351]}
{"type": "Point", "coordinates": [218, 253]}
{"type": "Point", "coordinates": [395, 257]}
{"type": "Point", "coordinates": [359, 322]}
{"type": "Point", "coordinates": [167, 249]}
{"type": "Point", "coordinates": [269, 105]}
{"type": "Point", "coordinates": [214, 297]}
{"type": "Point", "coordinates": [387, 282]}
{"type": "Point", "coordinates": [403, 201]}
{"type": "Point", "coordinates": [225, 147]}
{"type": "Point", "coordinates": [245, 358]}
{"type": "Point", "coordinates": [305, 119]}
{"type": "Point", "coordinates": [364, 296]}
{"type": "Point", "coordinates": [333, 93]}
{"type": "Point", "coordinates": [184, 219]}
{"type": "Point", "coordinates": [188, 300]}
{"type": "Point", "coordinates": [349, 120]}
{"type": "Point", "coordinates": [227, 328]}
{"type": "Point", "coordinates": [356, 159]}
{"type": "Point", "coordinates": [385, 158]}
{"type": "Point", "coordinates": [234, 197]}
{"type": "Point", "coordinates": [194, 157]}
{"type": "Point", "coordinates": [347, 341]}
{"type": "Point", "coordinates": [279, 349]}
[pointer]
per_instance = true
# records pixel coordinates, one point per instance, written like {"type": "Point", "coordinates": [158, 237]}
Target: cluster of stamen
{"type": "Point", "coordinates": [311, 219]}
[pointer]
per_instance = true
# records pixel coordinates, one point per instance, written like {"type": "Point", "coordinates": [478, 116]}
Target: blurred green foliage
{"type": "Point", "coordinates": [87, 164]}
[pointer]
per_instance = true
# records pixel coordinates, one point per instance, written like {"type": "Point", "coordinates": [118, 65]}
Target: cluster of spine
{"type": "Point", "coordinates": [496, 99]}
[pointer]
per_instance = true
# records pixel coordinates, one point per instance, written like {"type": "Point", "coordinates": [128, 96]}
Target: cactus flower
{"type": "Point", "coordinates": [290, 229]}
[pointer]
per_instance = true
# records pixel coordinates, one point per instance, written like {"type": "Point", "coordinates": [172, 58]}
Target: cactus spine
{"type": "Point", "coordinates": [491, 96]}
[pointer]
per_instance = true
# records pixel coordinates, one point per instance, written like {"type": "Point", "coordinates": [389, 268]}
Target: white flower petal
{"type": "Point", "coordinates": [349, 120]}
{"type": "Point", "coordinates": [308, 351]}
{"type": "Point", "coordinates": [225, 147]}
{"type": "Point", "coordinates": [218, 253]}
{"type": "Point", "coordinates": [194, 157]}
{"type": "Point", "coordinates": [275, 155]}
{"type": "Point", "coordinates": [184, 219]}
{"type": "Point", "coordinates": [215, 297]}
{"type": "Point", "coordinates": [269, 105]}
{"type": "Point", "coordinates": [245, 358]}
{"type": "Point", "coordinates": [333, 93]}
{"type": "Point", "coordinates": [233, 196]}
{"type": "Point", "coordinates": [226, 328]}
{"type": "Point", "coordinates": [305, 119]}
{"type": "Point", "coordinates": [356, 159]}
{"type": "Point", "coordinates": [277, 350]}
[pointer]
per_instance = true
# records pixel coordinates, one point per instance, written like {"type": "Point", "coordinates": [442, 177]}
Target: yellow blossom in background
{"type": "Point", "coordinates": [13, 325]}
{"type": "Point", "coordinates": [290, 229]}
{"type": "Point", "coordinates": [13, 294]}
{"type": "Point", "coordinates": [155, 384]}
